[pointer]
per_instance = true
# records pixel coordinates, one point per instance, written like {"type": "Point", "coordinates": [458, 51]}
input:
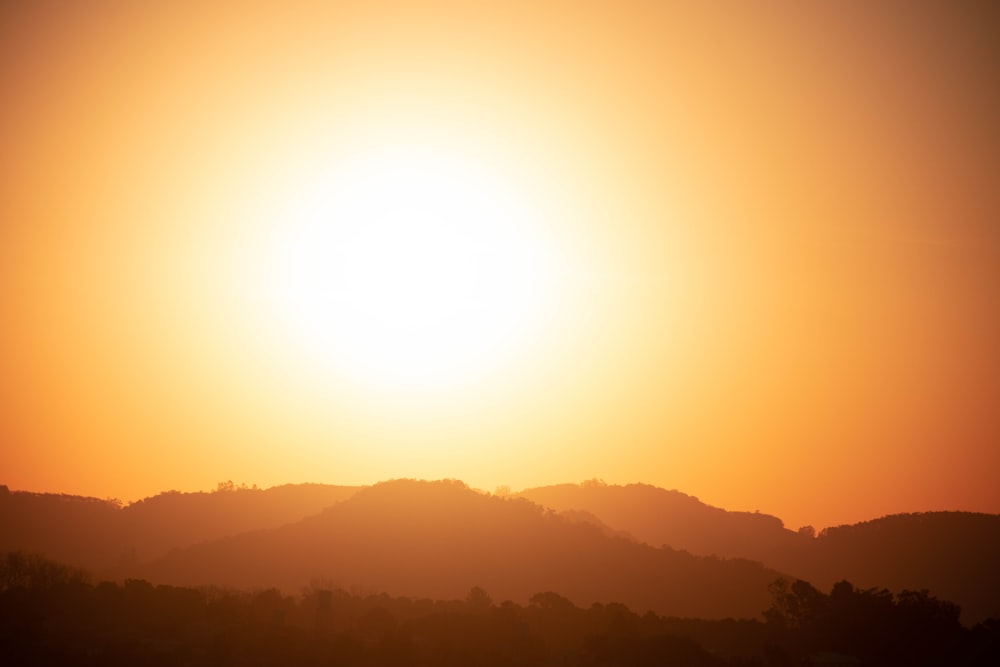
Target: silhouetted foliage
{"type": "Point", "coordinates": [873, 624]}
{"type": "Point", "coordinates": [19, 570]}
{"type": "Point", "coordinates": [51, 615]}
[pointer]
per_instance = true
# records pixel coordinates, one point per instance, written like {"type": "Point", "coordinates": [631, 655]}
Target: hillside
{"type": "Point", "coordinates": [458, 538]}
{"type": "Point", "coordinates": [100, 535]}
{"type": "Point", "coordinates": [439, 539]}
{"type": "Point", "coordinates": [660, 517]}
{"type": "Point", "coordinates": [954, 555]}
{"type": "Point", "coordinates": [951, 554]}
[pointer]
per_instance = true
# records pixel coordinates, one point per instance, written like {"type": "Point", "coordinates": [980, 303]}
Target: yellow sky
{"type": "Point", "coordinates": [770, 230]}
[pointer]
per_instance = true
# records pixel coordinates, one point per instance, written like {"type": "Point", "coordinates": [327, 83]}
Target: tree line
{"type": "Point", "coordinates": [54, 614]}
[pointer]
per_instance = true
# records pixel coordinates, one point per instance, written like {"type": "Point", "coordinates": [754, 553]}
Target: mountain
{"type": "Point", "coordinates": [100, 534]}
{"type": "Point", "coordinates": [75, 530]}
{"type": "Point", "coordinates": [953, 555]}
{"type": "Point", "coordinates": [350, 536]}
{"type": "Point", "coordinates": [440, 539]}
{"type": "Point", "coordinates": [660, 517]}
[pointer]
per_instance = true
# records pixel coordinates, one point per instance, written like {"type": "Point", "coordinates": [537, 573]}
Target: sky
{"type": "Point", "coordinates": [749, 251]}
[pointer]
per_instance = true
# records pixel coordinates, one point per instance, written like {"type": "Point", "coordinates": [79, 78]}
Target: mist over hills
{"type": "Point", "coordinates": [952, 554]}
{"type": "Point", "coordinates": [100, 534]}
{"type": "Point", "coordinates": [661, 517]}
{"type": "Point", "coordinates": [590, 542]}
{"type": "Point", "coordinates": [439, 539]}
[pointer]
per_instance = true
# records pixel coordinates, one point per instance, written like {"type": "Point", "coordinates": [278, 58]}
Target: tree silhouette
{"type": "Point", "coordinates": [872, 623]}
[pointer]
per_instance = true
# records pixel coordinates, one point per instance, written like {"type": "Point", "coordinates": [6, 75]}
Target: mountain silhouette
{"type": "Point", "coordinates": [660, 517]}
{"type": "Point", "coordinates": [439, 539]}
{"type": "Point", "coordinates": [951, 554]}
{"type": "Point", "coordinates": [571, 535]}
{"type": "Point", "coordinates": [100, 535]}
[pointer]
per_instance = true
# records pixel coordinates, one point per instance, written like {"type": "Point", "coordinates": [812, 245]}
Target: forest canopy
{"type": "Point", "coordinates": [54, 614]}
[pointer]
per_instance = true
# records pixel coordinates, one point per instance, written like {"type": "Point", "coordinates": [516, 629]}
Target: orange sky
{"type": "Point", "coordinates": [774, 227]}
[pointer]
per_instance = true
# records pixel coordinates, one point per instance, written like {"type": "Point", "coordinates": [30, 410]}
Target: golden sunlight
{"type": "Point", "coordinates": [512, 243]}
{"type": "Point", "coordinates": [409, 268]}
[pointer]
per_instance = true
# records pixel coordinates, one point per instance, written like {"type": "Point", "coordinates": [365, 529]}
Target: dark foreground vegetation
{"type": "Point", "coordinates": [51, 614]}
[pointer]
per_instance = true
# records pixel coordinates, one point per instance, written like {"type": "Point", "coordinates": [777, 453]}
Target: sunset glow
{"type": "Point", "coordinates": [748, 251]}
{"type": "Point", "coordinates": [409, 269]}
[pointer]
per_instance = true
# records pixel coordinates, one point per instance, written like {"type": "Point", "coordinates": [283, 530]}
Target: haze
{"type": "Point", "coordinates": [756, 255]}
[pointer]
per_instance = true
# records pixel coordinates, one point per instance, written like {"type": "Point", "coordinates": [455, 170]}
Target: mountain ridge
{"type": "Point", "coordinates": [948, 553]}
{"type": "Point", "coordinates": [951, 554]}
{"type": "Point", "coordinates": [439, 539]}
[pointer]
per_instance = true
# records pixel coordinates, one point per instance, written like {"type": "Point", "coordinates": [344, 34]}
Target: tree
{"type": "Point", "coordinates": [795, 605]}
{"type": "Point", "coordinates": [551, 600]}
{"type": "Point", "coordinates": [478, 599]}
{"type": "Point", "coordinates": [33, 572]}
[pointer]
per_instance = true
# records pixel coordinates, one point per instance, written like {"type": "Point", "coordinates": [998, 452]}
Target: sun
{"type": "Point", "coordinates": [411, 268]}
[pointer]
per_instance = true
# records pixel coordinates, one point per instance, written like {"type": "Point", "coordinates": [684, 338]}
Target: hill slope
{"type": "Point", "coordinates": [660, 517]}
{"type": "Point", "coordinates": [439, 539]}
{"type": "Point", "coordinates": [951, 554]}
{"type": "Point", "coordinates": [100, 535]}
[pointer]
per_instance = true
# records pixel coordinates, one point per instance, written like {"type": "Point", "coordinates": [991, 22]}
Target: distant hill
{"type": "Point", "coordinates": [355, 533]}
{"type": "Point", "coordinates": [100, 535]}
{"type": "Point", "coordinates": [73, 529]}
{"type": "Point", "coordinates": [439, 539]}
{"type": "Point", "coordinates": [660, 517]}
{"type": "Point", "coordinates": [953, 555]}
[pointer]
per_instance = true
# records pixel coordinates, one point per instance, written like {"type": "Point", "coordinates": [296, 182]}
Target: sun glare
{"type": "Point", "coordinates": [410, 268]}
